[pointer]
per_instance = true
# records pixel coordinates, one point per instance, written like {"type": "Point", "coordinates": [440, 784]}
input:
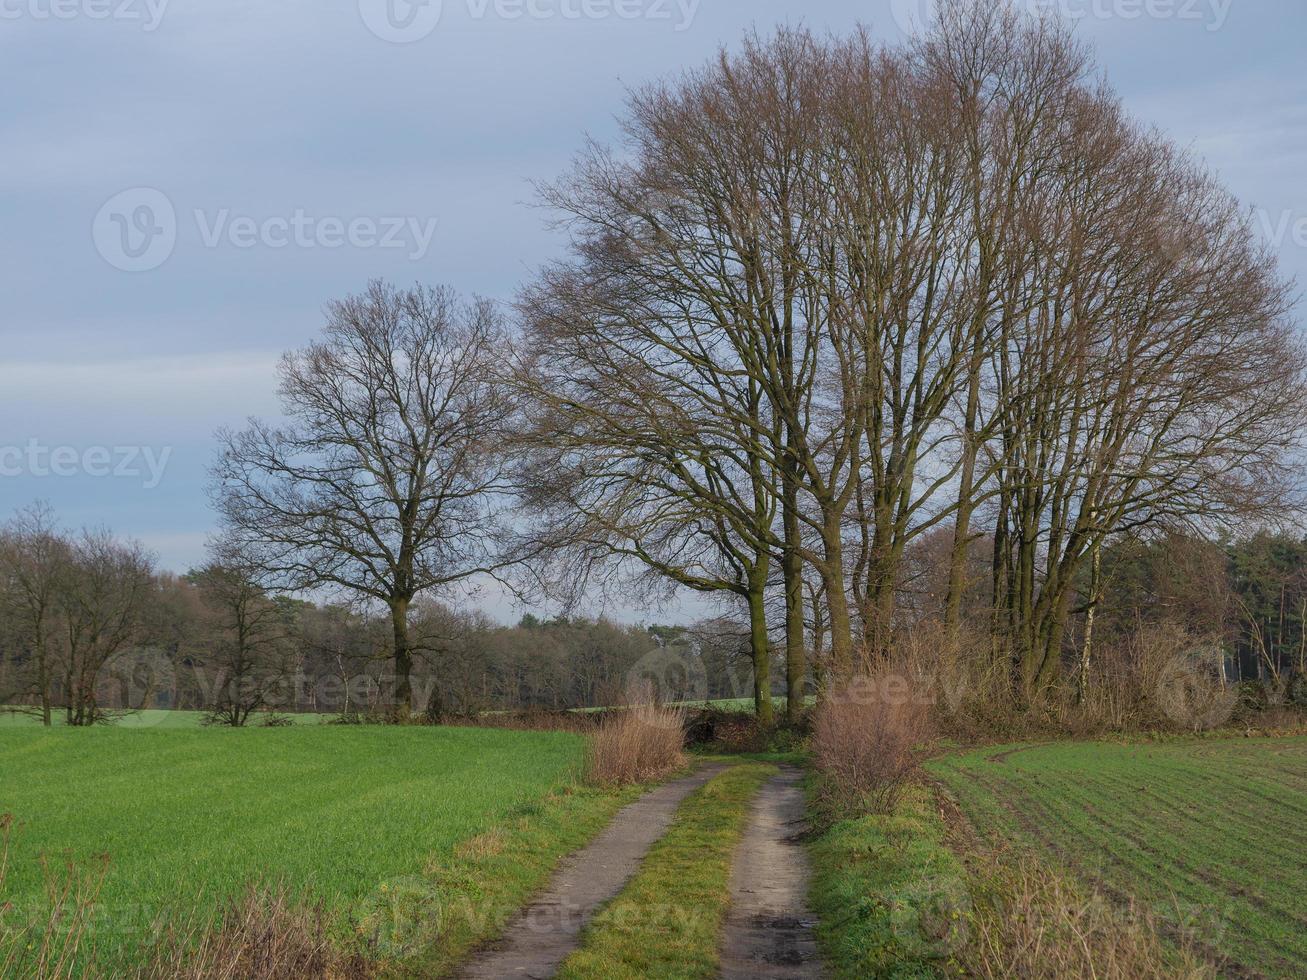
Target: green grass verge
{"type": "Point", "coordinates": [667, 922]}
{"type": "Point", "coordinates": [1206, 834]}
{"type": "Point", "coordinates": [488, 878]}
{"type": "Point", "coordinates": [344, 816]}
{"type": "Point", "coordinates": [889, 894]}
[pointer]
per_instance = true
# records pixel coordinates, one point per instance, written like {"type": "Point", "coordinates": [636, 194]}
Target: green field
{"type": "Point", "coordinates": [1211, 835]}
{"type": "Point", "coordinates": [149, 718]}
{"type": "Point", "coordinates": [189, 817]}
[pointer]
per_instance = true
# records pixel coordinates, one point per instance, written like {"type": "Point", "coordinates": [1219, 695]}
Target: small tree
{"type": "Point", "coordinates": [249, 649]}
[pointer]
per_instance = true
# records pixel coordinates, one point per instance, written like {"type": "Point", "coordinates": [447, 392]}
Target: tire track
{"type": "Point", "coordinates": [540, 937]}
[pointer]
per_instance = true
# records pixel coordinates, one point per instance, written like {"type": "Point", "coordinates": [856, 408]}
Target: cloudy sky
{"type": "Point", "coordinates": [184, 184]}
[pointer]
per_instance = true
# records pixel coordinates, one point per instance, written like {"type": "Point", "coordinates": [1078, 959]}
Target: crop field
{"type": "Point", "coordinates": [1210, 835]}
{"type": "Point", "coordinates": [149, 718]}
{"type": "Point", "coordinates": [189, 817]}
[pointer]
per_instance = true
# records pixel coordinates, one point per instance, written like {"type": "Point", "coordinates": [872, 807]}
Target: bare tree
{"type": "Point", "coordinates": [385, 480]}
{"type": "Point", "coordinates": [249, 647]}
{"type": "Point", "coordinates": [34, 561]}
{"type": "Point", "coordinates": [105, 595]}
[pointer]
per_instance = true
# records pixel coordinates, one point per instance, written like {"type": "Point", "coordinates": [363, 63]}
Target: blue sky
{"type": "Point", "coordinates": [308, 135]}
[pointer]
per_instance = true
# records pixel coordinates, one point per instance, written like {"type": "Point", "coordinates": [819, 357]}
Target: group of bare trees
{"type": "Point", "coordinates": [832, 297]}
{"type": "Point", "coordinates": [73, 605]}
{"type": "Point", "coordinates": [89, 629]}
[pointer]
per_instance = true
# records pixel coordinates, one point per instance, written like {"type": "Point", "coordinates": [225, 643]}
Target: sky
{"type": "Point", "coordinates": [185, 183]}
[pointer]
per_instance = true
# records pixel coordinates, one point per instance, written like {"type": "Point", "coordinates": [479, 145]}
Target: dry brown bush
{"type": "Point", "coordinates": [866, 737]}
{"type": "Point", "coordinates": [1036, 924]}
{"type": "Point", "coordinates": [263, 935]}
{"type": "Point", "coordinates": [646, 742]}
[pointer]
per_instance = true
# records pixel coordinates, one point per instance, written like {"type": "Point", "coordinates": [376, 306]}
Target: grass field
{"type": "Point", "coordinates": [188, 817]}
{"type": "Point", "coordinates": [1210, 835]}
{"type": "Point", "coordinates": [149, 718]}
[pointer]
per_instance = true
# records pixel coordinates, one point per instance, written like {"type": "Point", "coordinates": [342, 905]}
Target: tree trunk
{"type": "Point", "coordinates": [759, 643]}
{"type": "Point", "coordinates": [796, 662]}
{"type": "Point", "coordinates": [840, 622]}
{"type": "Point", "coordinates": [402, 709]}
{"type": "Point", "coordinates": [1095, 583]}
{"type": "Point", "coordinates": [957, 580]}
{"type": "Point", "coordinates": [43, 679]}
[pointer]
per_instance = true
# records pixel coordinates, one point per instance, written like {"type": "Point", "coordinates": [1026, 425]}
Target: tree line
{"type": "Point", "coordinates": [90, 631]}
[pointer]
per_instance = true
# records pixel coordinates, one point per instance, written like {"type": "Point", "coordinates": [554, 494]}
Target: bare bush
{"type": "Point", "coordinates": [866, 738]}
{"type": "Point", "coordinates": [646, 742]}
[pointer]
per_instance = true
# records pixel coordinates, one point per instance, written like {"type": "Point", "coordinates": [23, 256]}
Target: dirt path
{"type": "Point", "coordinates": [538, 940]}
{"type": "Point", "coordinates": [769, 928]}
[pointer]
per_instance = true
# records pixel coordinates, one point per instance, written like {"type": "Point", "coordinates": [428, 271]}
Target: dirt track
{"type": "Point", "coordinates": [769, 928]}
{"type": "Point", "coordinates": [541, 937]}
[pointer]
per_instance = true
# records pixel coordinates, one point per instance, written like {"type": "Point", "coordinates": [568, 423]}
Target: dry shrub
{"type": "Point", "coordinates": [866, 737]}
{"type": "Point", "coordinates": [264, 935]}
{"type": "Point", "coordinates": [1036, 924]}
{"type": "Point", "coordinates": [1161, 677]}
{"type": "Point", "coordinates": [641, 744]}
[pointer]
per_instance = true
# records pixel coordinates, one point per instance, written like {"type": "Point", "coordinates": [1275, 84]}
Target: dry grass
{"type": "Point", "coordinates": [264, 935]}
{"type": "Point", "coordinates": [642, 744]}
{"type": "Point", "coordinates": [865, 740]}
{"type": "Point", "coordinates": [1036, 924]}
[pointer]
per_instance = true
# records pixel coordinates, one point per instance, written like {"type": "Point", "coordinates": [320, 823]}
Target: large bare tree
{"type": "Point", "coordinates": [386, 478]}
